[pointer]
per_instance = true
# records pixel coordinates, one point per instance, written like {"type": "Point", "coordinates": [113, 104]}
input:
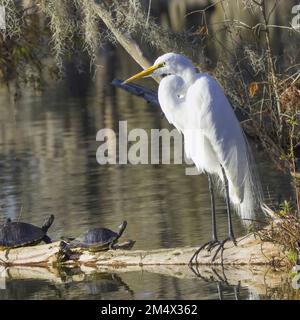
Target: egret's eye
{"type": "Point", "coordinates": [163, 64]}
{"type": "Point", "coordinates": [165, 75]}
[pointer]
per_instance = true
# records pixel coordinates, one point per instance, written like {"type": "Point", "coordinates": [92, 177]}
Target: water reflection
{"type": "Point", "coordinates": [100, 285]}
{"type": "Point", "coordinates": [146, 283]}
{"type": "Point", "coordinates": [48, 165]}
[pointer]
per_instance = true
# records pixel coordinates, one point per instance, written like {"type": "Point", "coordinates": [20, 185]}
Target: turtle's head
{"type": "Point", "coordinates": [8, 220]}
{"type": "Point", "coordinates": [122, 227]}
{"type": "Point", "coordinates": [48, 222]}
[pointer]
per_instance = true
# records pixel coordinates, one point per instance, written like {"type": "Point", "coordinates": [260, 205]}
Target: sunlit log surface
{"type": "Point", "coordinates": [40, 255]}
{"type": "Point", "coordinates": [254, 264]}
{"type": "Point", "coordinates": [250, 250]}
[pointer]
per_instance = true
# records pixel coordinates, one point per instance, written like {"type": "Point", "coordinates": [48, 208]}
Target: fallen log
{"type": "Point", "coordinates": [40, 255]}
{"type": "Point", "coordinates": [147, 94]}
{"type": "Point", "coordinates": [250, 250]}
{"type": "Point", "coordinates": [253, 263]}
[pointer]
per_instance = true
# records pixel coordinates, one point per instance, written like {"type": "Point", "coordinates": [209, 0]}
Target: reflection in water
{"type": "Point", "coordinates": [48, 165]}
{"type": "Point", "coordinates": [157, 283]}
{"type": "Point", "coordinates": [131, 285]}
{"type": "Point", "coordinates": [94, 286]}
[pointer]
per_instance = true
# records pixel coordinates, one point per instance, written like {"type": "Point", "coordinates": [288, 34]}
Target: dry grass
{"type": "Point", "coordinates": [284, 231]}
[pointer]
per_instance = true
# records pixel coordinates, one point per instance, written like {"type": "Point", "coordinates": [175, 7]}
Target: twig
{"type": "Point", "coordinates": [148, 13]}
{"type": "Point", "coordinates": [272, 71]}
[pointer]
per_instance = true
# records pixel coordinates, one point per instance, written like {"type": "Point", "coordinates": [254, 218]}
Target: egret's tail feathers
{"type": "Point", "coordinates": [246, 196]}
{"type": "Point", "coordinates": [250, 202]}
{"type": "Point", "coordinates": [252, 199]}
{"type": "Point", "coordinates": [236, 197]}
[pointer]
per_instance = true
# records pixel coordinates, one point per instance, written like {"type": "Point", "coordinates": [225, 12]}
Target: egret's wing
{"type": "Point", "coordinates": [220, 137]}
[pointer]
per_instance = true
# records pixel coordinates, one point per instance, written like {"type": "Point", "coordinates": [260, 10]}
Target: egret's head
{"type": "Point", "coordinates": [167, 64]}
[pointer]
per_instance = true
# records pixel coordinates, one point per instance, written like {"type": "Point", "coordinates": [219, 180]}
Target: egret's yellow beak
{"type": "Point", "coordinates": [144, 73]}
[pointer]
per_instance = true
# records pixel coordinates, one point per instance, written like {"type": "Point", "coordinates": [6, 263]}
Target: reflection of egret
{"type": "Point", "coordinates": [197, 106]}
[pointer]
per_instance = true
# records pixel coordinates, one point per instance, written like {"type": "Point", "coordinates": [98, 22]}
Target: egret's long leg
{"type": "Point", "coordinates": [210, 244]}
{"type": "Point", "coordinates": [213, 209]}
{"type": "Point", "coordinates": [230, 227]}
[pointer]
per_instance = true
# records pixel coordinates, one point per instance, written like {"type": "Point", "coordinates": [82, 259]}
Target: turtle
{"type": "Point", "coordinates": [99, 239]}
{"type": "Point", "coordinates": [14, 234]}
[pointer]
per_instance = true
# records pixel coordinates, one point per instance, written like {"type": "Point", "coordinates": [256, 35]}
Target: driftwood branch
{"type": "Point", "coordinates": [149, 95]}
{"type": "Point", "coordinates": [249, 251]}
{"type": "Point", "coordinates": [256, 264]}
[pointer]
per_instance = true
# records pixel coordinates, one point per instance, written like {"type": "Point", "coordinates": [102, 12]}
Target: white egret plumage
{"type": "Point", "coordinates": [213, 138]}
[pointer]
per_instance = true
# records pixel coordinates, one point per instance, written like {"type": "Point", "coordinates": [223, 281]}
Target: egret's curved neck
{"type": "Point", "coordinates": [171, 93]}
{"type": "Point", "coordinates": [188, 75]}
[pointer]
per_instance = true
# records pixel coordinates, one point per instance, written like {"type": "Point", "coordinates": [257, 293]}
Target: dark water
{"type": "Point", "coordinates": [48, 165]}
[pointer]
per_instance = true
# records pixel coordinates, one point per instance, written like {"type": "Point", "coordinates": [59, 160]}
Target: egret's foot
{"type": "Point", "coordinates": [208, 245]}
{"type": "Point", "coordinates": [221, 248]}
{"type": "Point", "coordinates": [212, 245]}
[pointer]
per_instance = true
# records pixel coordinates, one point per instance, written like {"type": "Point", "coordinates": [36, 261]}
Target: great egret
{"type": "Point", "coordinates": [213, 138]}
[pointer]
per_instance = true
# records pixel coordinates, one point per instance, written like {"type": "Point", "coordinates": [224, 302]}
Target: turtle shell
{"type": "Point", "coordinates": [97, 239]}
{"type": "Point", "coordinates": [19, 234]}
